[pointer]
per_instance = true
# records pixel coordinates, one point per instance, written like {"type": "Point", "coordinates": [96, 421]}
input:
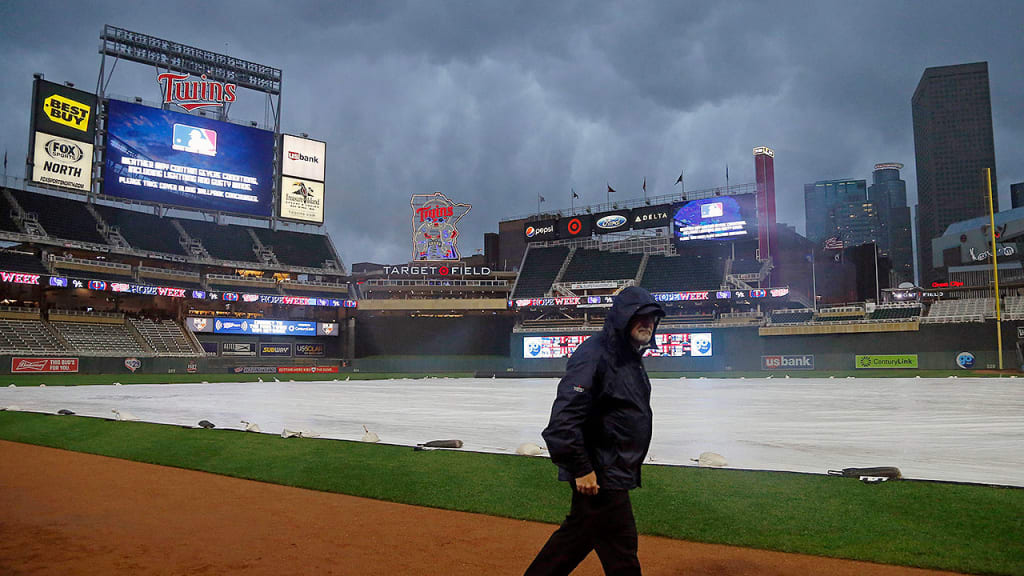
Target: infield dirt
{"type": "Point", "coordinates": [72, 513]}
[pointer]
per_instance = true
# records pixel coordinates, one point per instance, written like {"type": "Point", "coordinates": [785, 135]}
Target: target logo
{"type": "Point", "coordinates": [575, 226]}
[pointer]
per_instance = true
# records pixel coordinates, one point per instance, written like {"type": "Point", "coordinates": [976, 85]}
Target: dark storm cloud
{"type": "Point", "coordinates": [496, 102]}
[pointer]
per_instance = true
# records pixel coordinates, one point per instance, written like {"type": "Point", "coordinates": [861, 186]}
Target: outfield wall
{"type": "Point", "coordinates": [124, 365]}
{"type": "Point", "coordinates": [742, 349]}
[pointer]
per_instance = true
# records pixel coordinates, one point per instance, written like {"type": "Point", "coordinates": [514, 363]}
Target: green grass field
{"type": "Point", "coordinates": [964, 528]}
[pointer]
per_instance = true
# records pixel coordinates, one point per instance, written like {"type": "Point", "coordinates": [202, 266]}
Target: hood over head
{"type": "Point", "coordinates": [629, 302]}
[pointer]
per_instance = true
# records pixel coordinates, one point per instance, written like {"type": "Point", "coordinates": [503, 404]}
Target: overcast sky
{"type": "Point", "coordinates": [493, 103]}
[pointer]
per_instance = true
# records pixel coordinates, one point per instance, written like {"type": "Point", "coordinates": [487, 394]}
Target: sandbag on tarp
{"type": "Point", "coordinates": [877, 473]}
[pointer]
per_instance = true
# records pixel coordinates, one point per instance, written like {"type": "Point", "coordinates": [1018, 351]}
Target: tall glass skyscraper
{"type": "Point", "coordinates": [840, 208]}
{"type": "Point", "coordinates": [953, 145]}
{"type": "Point", "coordinates": [888, 193]}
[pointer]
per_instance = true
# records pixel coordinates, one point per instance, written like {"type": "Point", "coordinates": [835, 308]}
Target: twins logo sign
{"type": "Point", "coordinates": [434, 226]}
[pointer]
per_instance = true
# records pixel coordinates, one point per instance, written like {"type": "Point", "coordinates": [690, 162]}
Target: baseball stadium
{"type": "Point", "coordinates": [196, 382]}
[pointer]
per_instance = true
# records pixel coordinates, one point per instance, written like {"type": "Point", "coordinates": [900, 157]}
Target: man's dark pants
{"type": "Point", "coordinates": [603, 523]}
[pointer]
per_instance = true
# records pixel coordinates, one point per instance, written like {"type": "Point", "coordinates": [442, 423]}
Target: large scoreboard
{"type": "Point", "coordinates": [155, 155]}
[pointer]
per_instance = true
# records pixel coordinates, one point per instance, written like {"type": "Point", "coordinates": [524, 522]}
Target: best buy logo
{"type": "Point", "coordinates": [67, 112]}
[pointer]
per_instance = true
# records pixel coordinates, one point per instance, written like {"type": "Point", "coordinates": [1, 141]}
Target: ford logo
{"type": "Point", "coordinates": [611, 222]}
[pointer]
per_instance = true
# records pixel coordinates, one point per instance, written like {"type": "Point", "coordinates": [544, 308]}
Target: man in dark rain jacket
{"type": "Point", "coordinates": [598, 436]}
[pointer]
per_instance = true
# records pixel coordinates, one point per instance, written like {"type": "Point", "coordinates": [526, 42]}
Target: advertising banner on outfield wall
{"type": "Point", "coordinates": [327, 328]}
{"type": "Point", "coordinates": [284, 349]}
{"type": "Point", "coordinates": [862, 361]}
{"type": "Point", "coordinates": [64, 111]}
{"type": "Point", "coordinates": [21, 365]}
{"type": "Point", "coordinates": [301, 200]}
{"type": "Point", "coordinates": [238, 349]}
{"type": "Point", "coordinates": [62, 162]}
{"type": "Point", "coordinates": [788, 362]}
{"type": "Point", "coordinates": [303, 158]}
{"type": "Point", "coordinates": [309, 349]}
{"type": "Point", "coordinates": [307, 369]}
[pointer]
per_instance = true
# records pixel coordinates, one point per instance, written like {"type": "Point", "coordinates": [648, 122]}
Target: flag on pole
{"type": "Point", "coordinates": [574, 194]}
{"type": "Point", "coordinates": [645, 185]}
{"type": "Point", "coordinates": [834, 243]}
{"type": "Point", "coordinates": [540, 198]}
{"type": "Point", "coordinates": [610, 189]}
{"type": "Point", "coordinates": [680, 179]}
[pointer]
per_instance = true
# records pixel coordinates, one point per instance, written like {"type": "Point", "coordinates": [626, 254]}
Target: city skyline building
{"type": "Point", "coordinates": [1016, 195]}
{"type": "Point", "coordinates": [888, 193]}
{"type": "Point", "coordinates": [953, 144]}
{"type": "Point", "coordinates": [840, 209]}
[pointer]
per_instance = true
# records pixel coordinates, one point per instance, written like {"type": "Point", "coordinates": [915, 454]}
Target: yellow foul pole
{"type": "Point", "coordinates": [995, 267]}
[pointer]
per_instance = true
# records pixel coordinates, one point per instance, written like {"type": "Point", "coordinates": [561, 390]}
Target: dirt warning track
{"type": "Point", "coordinates": [69, 513]}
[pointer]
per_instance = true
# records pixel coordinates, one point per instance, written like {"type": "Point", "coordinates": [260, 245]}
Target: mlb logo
{"type": "Point", "coordinates": [712, 210]}
{"type": "Point", "coordinates": [195, 140]}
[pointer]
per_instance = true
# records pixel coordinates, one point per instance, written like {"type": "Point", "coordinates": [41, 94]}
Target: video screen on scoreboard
{"type": "Point", "coordinates": [717, 218]}
{"type": "Point", "coordinates": [156, 155]}
{"type": "Point", "coordinates": [697, 344]}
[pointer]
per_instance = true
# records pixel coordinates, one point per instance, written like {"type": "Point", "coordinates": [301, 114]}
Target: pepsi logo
{"type": "Point", "coordinates": [531, 231]}
{"type": "Point", "coordinates": [611, 222]}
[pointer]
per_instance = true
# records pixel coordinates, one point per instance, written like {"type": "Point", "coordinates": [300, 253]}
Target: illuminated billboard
{"type": "Point", "coordinates": [435, 234]}
{"type": "Point", "coordinates": [301, 200]}
{"type": "Point", "coordinates": [168, 157]}
{"type": "Point", "coordinates": [62, 162]}
{"type": "Point", "coordinates": [697, 344]}
{"type": "Point", "coordinates": [717, 218]}
{"type": "Point", "coordinates": [303, 158]}
{"type": "Point", "coordinates": [64, 111]}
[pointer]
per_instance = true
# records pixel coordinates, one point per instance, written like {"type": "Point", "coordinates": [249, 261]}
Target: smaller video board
{"type": "Point", "coordinates": [695, 344]}
{"type": "Point", "coordinates": [717, 218]}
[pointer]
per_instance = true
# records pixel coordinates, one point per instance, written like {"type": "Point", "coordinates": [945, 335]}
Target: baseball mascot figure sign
{"type": "Point", "coordinates": [434, 226]}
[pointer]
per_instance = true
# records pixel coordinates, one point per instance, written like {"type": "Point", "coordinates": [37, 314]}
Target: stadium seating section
{"type": "Point", "coordinates": [966, 310]}
{"type": "Point", "coordinates": [744, 267]}
{"type": "Point", "coordinates": [21, 262]}
{"type": "Point", "coordinates": [27, 337]}
{"type": "Point", "coordinates": [792, 316]}
{"type": "Point", "coordinates": [143, 231]}
{"type": "Point", "coordinates": [114, 339]}
{"type": "Point", "coordinates": [70, 219]}
{"type": "Point", "coordinates": [895, 313]}
{"type": "Point", "coordinates": [7, 224]}
{"type": "Point", "coordinates": [310, 250]}
{"type": "Point", "coordinates": [593, 265]}
{"type": "Point", "coordinates": [682, 273]}
{"type": "Point", "coordinates": [165, 337]}
{"type": "Point", "coordinates": [60, 217]}
{"type": "Point", "coordinates": [539, 271]}
{"type": "Point", "coordinates": [228, 242]}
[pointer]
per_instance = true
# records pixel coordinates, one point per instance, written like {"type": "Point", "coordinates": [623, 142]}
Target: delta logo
{"type": "Point", "coordinates": [300, 157]}
{"type": "Point", "coordinates": [68, 112]}
{"type": "Point", "coordinates": [193, 94]}
{"type": "Point", "coordinates": [531, 231]}
{"type": "Point", "coordinates": [611, 222]}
